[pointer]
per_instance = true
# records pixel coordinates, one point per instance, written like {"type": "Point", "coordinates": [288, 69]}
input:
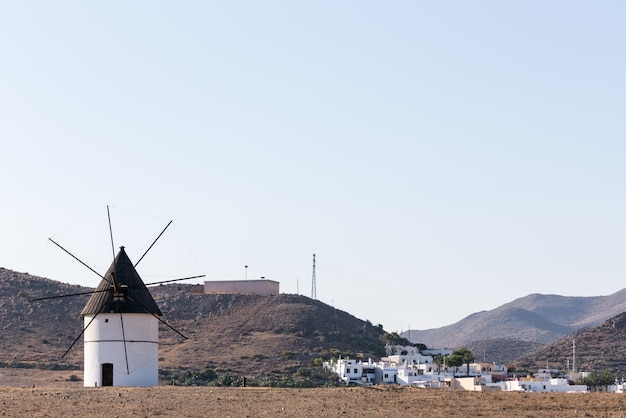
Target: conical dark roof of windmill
{"type": "Point", "coordinates": [121, 291]}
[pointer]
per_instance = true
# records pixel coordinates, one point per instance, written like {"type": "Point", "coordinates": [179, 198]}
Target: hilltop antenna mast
{"type": "Point", "coordinates": [313, 285]}
{"type": "Point", "coordinates": [573, 358]}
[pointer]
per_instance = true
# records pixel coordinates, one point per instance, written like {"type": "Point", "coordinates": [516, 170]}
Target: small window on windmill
{"type": "Point", "coordinates": [106, 320]}
{"type": "Point", "coordinates": [119, 296]}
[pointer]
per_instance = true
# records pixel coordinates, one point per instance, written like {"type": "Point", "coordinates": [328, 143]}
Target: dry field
{"type": "Point", "coordinates": [57, 397]}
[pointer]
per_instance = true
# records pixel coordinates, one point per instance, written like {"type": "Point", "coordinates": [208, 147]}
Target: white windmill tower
{"type": "Point", "coordinates": [121, 330]}
{"type": "Point", "coordinates": [120, 325]}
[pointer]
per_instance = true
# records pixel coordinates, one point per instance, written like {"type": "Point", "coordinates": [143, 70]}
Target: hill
{"type": "Point", "coordinates": [38, 331]}
{"type": "Point", "coordinates": [501, 350]}
{"type": "Point", "coordinates": [534, 318]}
{"type": "Point", "coordinates": [600, 348]}
{"type": "Point", "coordinates": [252, 334]}
{"type": "Point", "coordinates": [233, 334]}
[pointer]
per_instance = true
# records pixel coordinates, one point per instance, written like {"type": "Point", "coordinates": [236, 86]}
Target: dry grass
{"type": "Point", "coordinates": [53, 396]}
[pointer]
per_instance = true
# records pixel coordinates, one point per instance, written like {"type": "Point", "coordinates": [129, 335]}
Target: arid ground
{"type": "Point", "coordinates": [55, 396]}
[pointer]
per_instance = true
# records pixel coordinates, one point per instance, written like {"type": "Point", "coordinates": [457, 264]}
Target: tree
{"type": "Point", "coordinates": [595, 380]}
{"type": "Point", "coordinates": [467, 357]}
{"type": "Point", "coordinates": [454, 360]}
{"type": "Point", "coordinates": [421, 347]}
{"type": "Point", "coordinates": [438, 360]}
{"type": "Point", "coordinates": [394, 339]}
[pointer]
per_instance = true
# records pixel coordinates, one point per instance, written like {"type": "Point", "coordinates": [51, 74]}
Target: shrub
{"type": "Point", "coordinates": [304, 372]}
{"type": "Point", "coordinates": [206, 375]}
{"type": "Point", "coordinates": [227, 379]}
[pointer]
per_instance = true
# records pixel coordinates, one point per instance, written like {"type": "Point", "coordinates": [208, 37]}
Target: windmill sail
{"type": "Point", "coordinates": [128, 293]}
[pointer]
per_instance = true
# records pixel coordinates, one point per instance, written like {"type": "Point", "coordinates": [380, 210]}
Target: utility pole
{"type": "Point", "coordinates": [313, 285]}
{"type": "Point", "coordinates": [573, 358]}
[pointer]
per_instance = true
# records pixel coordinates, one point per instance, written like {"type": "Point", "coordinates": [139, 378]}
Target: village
{"type": "Point", "coordinates": [408, 366]}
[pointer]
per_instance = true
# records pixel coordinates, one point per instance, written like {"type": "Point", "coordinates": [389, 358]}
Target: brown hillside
{"type": "Point", "coordinates": [239, 334]}
{"type": "Point", "coordinates": [38, 331]}
{"type": "Point", "coordinates": [251, 334]}
{"type": "Point", "coordinates": [597, 349]}
{"type": "Point", "coordinates": [501, 351]}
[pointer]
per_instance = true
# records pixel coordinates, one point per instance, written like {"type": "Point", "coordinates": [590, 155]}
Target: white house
{"type": "Point", "coordinates": [353, 371]}
{"type": "Point", "coordinates": [497, 371]}
{"type": "Point", "coordinates": [386, 373]}
{"type": "Point", "coordinates": [473, 384]}
{"type": "Point", "coordinates": [538, 384]}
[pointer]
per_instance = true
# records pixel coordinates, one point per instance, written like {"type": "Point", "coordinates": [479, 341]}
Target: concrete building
{"type": "Point", "coordinates": [354, 372]}
{"type": "Point", "coordinates": [534, 384]}
{"type": "Point", "coordinates": [249, 287]}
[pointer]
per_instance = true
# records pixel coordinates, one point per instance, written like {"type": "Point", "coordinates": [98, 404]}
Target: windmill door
{"type": "Point", "coordinates": [107, 374]}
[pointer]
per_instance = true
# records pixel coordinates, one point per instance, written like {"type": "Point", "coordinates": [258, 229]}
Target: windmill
{"type": "Point", "coordinates": [120, 324]}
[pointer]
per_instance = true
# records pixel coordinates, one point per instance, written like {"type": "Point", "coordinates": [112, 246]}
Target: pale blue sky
{"type": "Point", "coordinates": [440, 158]}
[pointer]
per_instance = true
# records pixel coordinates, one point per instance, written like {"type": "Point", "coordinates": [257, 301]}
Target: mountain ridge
{"type": "Point", "coordinates": [536, 318]}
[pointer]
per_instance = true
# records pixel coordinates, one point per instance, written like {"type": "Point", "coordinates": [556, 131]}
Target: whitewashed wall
{"type": "Point", "coordinates": [104, 343]}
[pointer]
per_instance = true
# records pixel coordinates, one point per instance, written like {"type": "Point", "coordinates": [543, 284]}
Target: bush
{"type": "Point", "coordinates": [227, 379]}
{"type": "Point", "coordinates": [207, 375]}
{"type": "Point", "coordinates": [304, 372]}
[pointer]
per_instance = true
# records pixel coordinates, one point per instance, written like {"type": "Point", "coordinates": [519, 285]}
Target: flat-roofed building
{"type": "Point", "coordinates": [250, 287]}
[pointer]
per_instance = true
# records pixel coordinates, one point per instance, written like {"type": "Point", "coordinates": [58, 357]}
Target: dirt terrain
{"type": "Point", "coordinates": [263, 402]}
{"type": "Point", "coordinates": [53, 395]}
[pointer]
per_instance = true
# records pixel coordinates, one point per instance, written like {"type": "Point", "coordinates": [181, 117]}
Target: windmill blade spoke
{"type": "Point", "coordinates": [124, 340]}
{"type": "Point", "coordinates": [79, 335]}
{"type": "Point", "coordinates": [156, 316]}
{"type": "Point", "coordinates": [153, 242]}
{"type": "Point", "coordinates": [73, 343]}
{"type": "Point", "coordinates": [70, 294]}
{"type": "Point", "coordinates": [175, 280]}
{"type": "Point", "coordinates": [76, 258]}
{"type": "Point", "coordinates": [111, 231]}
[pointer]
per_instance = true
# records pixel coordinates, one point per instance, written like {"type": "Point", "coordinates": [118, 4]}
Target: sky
{"type": "Point", "coordinates": [439, 158]}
